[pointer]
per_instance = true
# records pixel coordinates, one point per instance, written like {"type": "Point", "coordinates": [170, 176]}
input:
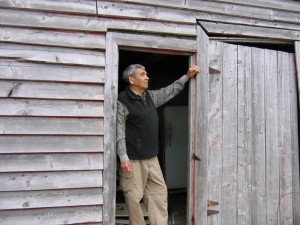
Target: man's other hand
{"type": "Point", "coordinates": [192, 71]}
{"type": "Point", "coordinates": [126, 166]}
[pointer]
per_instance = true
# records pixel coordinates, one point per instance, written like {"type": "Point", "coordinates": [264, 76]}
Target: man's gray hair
{"type": "Point", "coordinates": [130, 71]}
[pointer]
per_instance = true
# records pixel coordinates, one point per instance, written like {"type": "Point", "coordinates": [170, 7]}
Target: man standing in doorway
{"type": "Point", "coordinates": [137, 144]}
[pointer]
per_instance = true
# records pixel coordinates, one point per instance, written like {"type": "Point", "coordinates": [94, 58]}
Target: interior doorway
{"type": "Point", "coordinates": [163, 69]}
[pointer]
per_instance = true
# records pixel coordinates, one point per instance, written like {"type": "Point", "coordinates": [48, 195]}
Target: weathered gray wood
{"type": "Point", "coordinates": [50, 180]}
{"type": "Point", "coordinates": [272, 4]}
{"type": "Point", "coordinates": [229, 175]}
{"type": "Point", "coordinates": [181, 16]}
{"type": "Point", "coordinates": [13, 70]}
{"type": "Point", "coordinates": [227, 8]}
{"type": "Point", "coordinates": [285, 153]}
{"type": "Point", "coordinates": [67, 215]}
{"type": "Point", "coordinates": [50, 162]}
{"type": "Point", "coordinates": [272, 151]}
{"type": "Point", "coordinates": [244, 158]}
{"type": "Point", "coordinates": [52, 38]}
{"type": "Point", "coordinates": [32, 19]}
{"type": "Point", "coordinates": [191, 145]}
{"type": "Point", "coordinates": [215, 129]}
{"type": "Point", "coordinates": [57, 126]}
{"type": "Point", "coordinates": [21, 89]}
{"type": "Point", "coordinates": [201, 129]}
{"type": "Point", "coordinates": [51, 198]}
{"type": "Point", "coordinates": [47, 144]}
{"type": "Point", "coordinates": [295, 136]}
{"type": "Point", "coordinates": [52, 55]}
{"type": "Point", "coordinates": [74, 6]}
{"type": "Point", "coordinates": [241, 30]}
{"type": "Point", "coordinates": [110, 105]}
{"type": "Point", "coordinates": [62, 108]}
{"type": "Point", "coordinates": [85, 23]}
{"type": "Point", "coordinates": [258, 207]}
{"type": "Point", "coordinates": [155, 42]}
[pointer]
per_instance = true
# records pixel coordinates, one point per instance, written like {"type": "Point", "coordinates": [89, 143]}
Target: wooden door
{"type": "Point", "coordinates": [244, 136]}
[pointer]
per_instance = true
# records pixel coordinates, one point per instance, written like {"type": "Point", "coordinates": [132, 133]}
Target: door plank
{"type": "Point", "coordinates": [229, 176]}
{"type": "Point", "coordinates": [244, 136]}
{"type": "Point", "coordinates": [258, 207]}
{"type": "Point", "coordinates": [285, 153]}
{"type": "Point", "coordinates": [215, 128]}
{"type": "Point", "coordinates": [272, 151]}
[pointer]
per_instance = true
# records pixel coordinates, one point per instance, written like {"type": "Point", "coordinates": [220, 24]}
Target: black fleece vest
{"type": "Point", "coordinates": [141, 125]}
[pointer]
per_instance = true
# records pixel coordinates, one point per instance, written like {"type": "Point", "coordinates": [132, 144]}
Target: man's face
{"type": "Point", "coordinates": [141, 79]}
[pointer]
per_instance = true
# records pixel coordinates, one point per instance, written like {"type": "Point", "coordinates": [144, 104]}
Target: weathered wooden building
{"type": "Point", "coordinates": [59, 63]}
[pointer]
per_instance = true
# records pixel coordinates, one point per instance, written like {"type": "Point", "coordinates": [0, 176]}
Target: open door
{"type": "Point", "coordinates": [243, 136]}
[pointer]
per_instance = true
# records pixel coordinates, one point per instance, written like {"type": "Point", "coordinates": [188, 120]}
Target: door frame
{"type": "Point", "coordinates": [137, 42]}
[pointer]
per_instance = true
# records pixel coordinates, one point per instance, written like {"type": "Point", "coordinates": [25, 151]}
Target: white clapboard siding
{"type": "Point", "coordinates": [52, 38]}
{"type": "Point", "coordinates": [74, 6]}
{"type": "Point", "coordinates": [50, 198]}
{"type": "Point", "coordinates": [53, 126]}
{"type": "Point", "coordinates": [55, 55]}
{"type": "Point", "coordinates": [272, 153]}
{"type": "Point", "coordinates": [253, 31]}
{"type": "Point", "coordinates": [50, 162]}
{"type": "Point", "coordinates": [13, 70]}
{"type": "Point", "coordinates": [58, 108]}
{"type": "Point", "coordinates": [47, 144]}
{"type": "Point", "coordinates": [215, 128]}
{"type": "Point", "coordinates": [21, 89]}
{"type": "Point", "coordinates": [50, 180]}
{"type": "Point", "coordinates": [244, 138]}
{"type": "Point", "coordinates": [66, 215]}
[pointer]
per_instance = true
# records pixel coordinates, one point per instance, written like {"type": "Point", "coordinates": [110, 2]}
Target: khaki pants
{"type": "Point", "coordinates": [145, 181]}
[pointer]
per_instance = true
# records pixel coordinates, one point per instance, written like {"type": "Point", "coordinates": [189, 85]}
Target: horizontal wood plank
{"type": "Point", "coordinates": [50, 162]}
{"type": "Point", "coordinates": [228, 8]}
{"type": "Point", "coordinates": [68, 215]}
{"type": "Point", "coordinates": [55, 55]}
{"type": "Point", "coordinates": [13, 70]}
{"type": "Point", "coordinates": [47, 21]}
{"type": "Point", "coordinates": [155, 42]}
{"type": "Point", "coordinates": [57, 108]}
{"type": "Point", "coordinates": [50, 198]}
{"type": "Point", "coordinates": [52, 38]}
{"type": "Point", "coordinates": [48, 144]}
{"type": "Point", "coordinates": [50, 180]}
{"type": "Point", "coordinates": [291, 6]}
{"type": "Point", "coordinates": [21, 89]}
{"type": "Point", "coordinates": [50, 126]}
{"type": "Point", "coordinates": [240, 30]}
{"type": "Point", "coordinates": [74, 6]}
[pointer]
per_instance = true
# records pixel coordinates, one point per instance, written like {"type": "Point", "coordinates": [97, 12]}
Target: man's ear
{"type": "Point", "coordinates": [131, 79]}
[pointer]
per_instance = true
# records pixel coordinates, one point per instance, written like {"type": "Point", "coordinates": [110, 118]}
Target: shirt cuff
{"type": "Point", "coordinates": [123, 157]}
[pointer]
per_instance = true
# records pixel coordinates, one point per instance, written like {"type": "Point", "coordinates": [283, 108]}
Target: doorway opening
{"type": "Point", "coordinates": [164, 69]}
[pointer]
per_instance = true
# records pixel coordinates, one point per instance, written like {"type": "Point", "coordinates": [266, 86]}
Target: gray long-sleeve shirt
{"type": "Point", "coordinates": [159, 97]}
